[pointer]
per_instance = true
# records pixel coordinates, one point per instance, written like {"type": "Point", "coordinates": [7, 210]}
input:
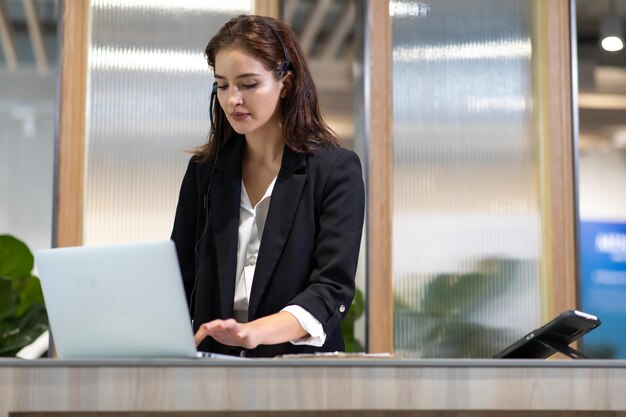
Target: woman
{"type": "Point", "coordinates": [270, 213]}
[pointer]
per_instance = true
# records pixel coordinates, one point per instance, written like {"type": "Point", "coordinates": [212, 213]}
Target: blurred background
{"type": "Point", "coordinates": [602, 171]}
{"type": "Point", "coordinates": [468, 212]}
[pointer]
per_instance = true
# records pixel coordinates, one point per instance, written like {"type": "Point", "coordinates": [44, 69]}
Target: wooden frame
{"type": "Point", "coordinates": [36, 37]}
{"type": "Point", "coordinates": [380, 177]}
{"type": "Point", "coordinates": [553, 93]}
{"type": "Point", "coordinates": [269, 8]}
{"type": "Point", "coordinates": [71, 131]}
{"type": "Point", "coordinates": [552, 89]}
{"type": "Point", "coordinates": [7, 41]}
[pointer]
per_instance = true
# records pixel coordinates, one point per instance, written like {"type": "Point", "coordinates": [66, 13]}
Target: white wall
{"type": "Point", "coordinates": [602, 185]}
{"type": "Point", "coordinates": [27, 155]}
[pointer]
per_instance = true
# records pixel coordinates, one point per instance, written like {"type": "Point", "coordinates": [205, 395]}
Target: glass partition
{"type": "Point", "coordinates": [28, 73]}
{"type": "Point", "coordinates": [466, 220]}
{"type": "Point", "coordinates": [148, 103]}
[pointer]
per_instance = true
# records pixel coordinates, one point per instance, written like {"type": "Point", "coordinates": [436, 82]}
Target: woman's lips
{"type": "Point", "coordinates": [239, 116]}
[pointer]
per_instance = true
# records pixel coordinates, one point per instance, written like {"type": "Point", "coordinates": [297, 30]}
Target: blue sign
{"type": "Point", "coordinates": [603, 287]}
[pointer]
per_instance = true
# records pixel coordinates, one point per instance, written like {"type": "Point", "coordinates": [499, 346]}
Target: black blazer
{"type": "Point", "coordinates": [309, 248]}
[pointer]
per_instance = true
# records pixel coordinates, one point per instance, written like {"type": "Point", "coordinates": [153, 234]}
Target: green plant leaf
{"type": "Point", "coordinates": [16, 260]}
{"type": "Point", "coordinates": [357, 307]}
{"type": "Point", "coordinates": [8, 299]}
{"type": "Point", "coordinates": [23, 315]}
{"type": "Point", "coordinates": [354, 345]}
{"type": "Point", "coordinates": [347, 324]}
{"type": "Point", "coordinates": [442, 319]}
{"type": "Point", "coordinates": [29, 293]}
{"type": "Point", "coordinates": [16, 333]}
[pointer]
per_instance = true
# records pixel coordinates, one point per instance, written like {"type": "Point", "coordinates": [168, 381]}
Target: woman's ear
{"type": "Point", "coordinates": [287, 84]}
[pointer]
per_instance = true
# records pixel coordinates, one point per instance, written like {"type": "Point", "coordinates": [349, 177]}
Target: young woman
{"type": "Point", "coordinates": [270, 213]}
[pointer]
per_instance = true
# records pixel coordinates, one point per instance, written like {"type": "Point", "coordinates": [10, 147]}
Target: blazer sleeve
{"type": "Point", "coordinates": [185, 227]}
{"type": "Point", "coordinates": [331, 285]}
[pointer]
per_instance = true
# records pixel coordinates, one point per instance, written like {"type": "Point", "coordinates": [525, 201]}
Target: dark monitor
{"type": "Point", "coordinates": [553, 337]}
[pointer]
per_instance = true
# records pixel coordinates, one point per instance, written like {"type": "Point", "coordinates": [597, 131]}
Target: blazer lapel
{"type": "Point", "coordinates": [224, 209]}
{"type": "Point", "coordinates": [283, 205]}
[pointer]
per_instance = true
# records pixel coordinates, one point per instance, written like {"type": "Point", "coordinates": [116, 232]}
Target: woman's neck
{"type": "Point", "coordinates": [264, 146]}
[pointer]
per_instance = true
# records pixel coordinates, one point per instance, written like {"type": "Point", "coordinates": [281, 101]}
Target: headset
{"type": "Point", "coordinates": [216, 125]}
{"type": "Point", "coordinates": [286, 64]}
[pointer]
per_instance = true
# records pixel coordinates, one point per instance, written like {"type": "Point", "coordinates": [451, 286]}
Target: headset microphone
{"type": "Point", "coordinates": [215, 127]}
{"type": "Point", "coordinates": [211, 115]}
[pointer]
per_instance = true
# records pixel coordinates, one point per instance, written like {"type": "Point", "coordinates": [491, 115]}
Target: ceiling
{"type": "Point", "coordinates": [602, 79]}
{"type": "Point", "coordinates": [28, 40]}
{"type": "Point", "coordinates": [326, 28]}
{"type": "Point", "coordinates": [589, 13]}
{"type": "Point", "coordinates": [326, 32]}
{"type": "Point", "coordinates": [28, 34]}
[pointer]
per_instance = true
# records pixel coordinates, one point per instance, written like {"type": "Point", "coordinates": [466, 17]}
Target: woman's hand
{"type": "Point", "coordinates": [229, 332]}
{"type": "Point", "coordinates": [277, 328]}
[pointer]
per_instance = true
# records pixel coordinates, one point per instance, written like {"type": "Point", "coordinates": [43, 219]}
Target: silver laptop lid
{"type": "Point", "coordinates": [123, 300]}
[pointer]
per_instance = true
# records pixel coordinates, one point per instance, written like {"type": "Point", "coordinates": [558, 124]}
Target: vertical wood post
{"type": "Point", "coordinates": [378, 107]}
{"type": "Point", "coordinates": [552, 78]}
{"type": "Point", "coordinates": [71, 128]}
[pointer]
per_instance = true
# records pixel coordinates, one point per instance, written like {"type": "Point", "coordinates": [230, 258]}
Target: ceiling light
{"type": "Point", "coordinates": [611, 34]}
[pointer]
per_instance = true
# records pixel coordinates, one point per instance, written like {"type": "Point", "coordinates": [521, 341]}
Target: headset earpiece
{"type": "Point", "coordinates": [283, 66]}
{"type": "Point", "coordinates": [286, 64]}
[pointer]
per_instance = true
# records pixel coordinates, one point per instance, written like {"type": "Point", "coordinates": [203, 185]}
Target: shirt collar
{"type": "Point", "coordinates": [245, 199]}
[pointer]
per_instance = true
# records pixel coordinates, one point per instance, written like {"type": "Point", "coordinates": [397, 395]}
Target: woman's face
{"type": "Point", "coordinates": [248, 93]}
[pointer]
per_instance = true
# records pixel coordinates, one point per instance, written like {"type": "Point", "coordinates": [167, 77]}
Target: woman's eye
{"type": "Point", "coordinates": [249, 86]}
{"type": "Point", "coordinates": [222, 87]}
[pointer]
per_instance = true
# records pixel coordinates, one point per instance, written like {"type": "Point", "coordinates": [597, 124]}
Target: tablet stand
{"type": "Point", "coordinates": [562, 348]}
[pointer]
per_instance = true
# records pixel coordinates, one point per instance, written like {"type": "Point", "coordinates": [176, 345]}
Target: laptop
{"type": "Point", "coordinates": [114, 301]}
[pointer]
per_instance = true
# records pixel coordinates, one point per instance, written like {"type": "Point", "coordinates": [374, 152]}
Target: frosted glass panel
{"type": "Point", "coordinates": [467, 226]}
{"type": "Point", "coordinates": [149, 89]}
{"type": "Point", "coordinates": [27, 155]}
{"type": "Point", "coordinates": [27, 122]}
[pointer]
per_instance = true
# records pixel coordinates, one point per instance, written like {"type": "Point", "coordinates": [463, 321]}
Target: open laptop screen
{"type": "Point", "coordinates": [123, 300]}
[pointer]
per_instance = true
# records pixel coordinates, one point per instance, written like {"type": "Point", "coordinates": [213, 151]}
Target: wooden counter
{"type": "Point", "coordinates": [313, 387]}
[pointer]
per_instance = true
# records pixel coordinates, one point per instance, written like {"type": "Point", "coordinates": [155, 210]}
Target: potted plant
{"type": "Point", "coordinates": [23, 315]}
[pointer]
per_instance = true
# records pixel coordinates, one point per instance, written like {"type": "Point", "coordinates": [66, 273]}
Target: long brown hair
{"type": "Point", "coordinates": [303, 127]}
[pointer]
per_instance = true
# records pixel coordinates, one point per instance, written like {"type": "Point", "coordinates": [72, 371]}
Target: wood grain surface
{"type": "Point", "coordinates": [314, 390]}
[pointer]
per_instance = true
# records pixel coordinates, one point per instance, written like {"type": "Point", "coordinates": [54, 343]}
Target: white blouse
{"type": "Point", "coordinates": [251, 224]}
